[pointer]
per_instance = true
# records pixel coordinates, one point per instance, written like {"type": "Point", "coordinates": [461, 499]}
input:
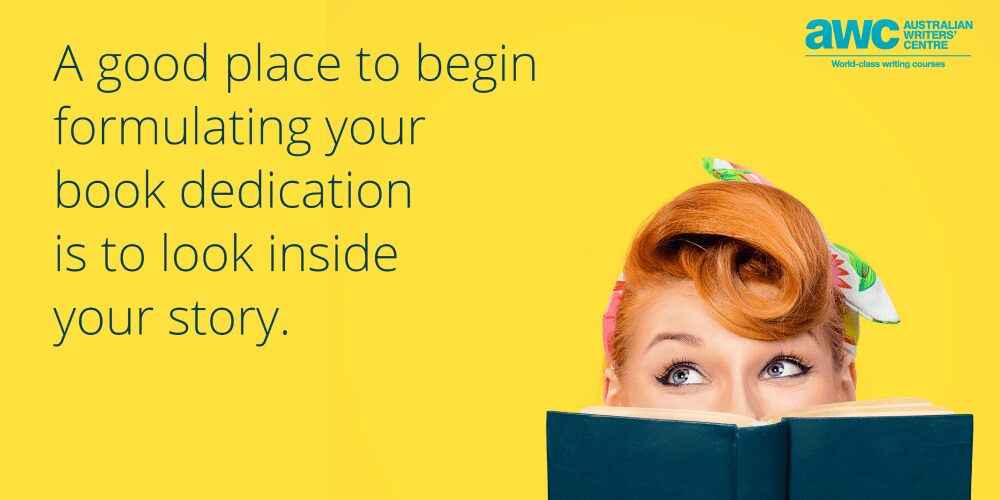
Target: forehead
{"type": "Point", "coordinates": [676, 307]}
{"type": "Point", "coordinates": [672, 306]}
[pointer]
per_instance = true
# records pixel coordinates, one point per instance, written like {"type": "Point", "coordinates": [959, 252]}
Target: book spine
{"type": "Point", "coordinates": [762, 462]}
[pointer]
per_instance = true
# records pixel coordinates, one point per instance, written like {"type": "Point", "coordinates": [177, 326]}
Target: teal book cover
{"type": "Point", "coordinates": [592, 457]}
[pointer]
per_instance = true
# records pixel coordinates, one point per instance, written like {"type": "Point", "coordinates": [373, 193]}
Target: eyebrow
{"type": "Point", "coordinates": [686, 338]}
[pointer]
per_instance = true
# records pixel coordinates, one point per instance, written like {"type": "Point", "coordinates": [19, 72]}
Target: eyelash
{"type": "Point", "coordinates": [664, 376]}
{"type": "Point", "coordinates": [806, 368]}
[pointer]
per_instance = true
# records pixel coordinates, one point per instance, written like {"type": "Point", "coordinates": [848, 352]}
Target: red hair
{"type": "Point", "coordinates": [726, 236]}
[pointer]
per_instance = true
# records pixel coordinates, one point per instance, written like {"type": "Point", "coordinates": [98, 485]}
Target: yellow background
{"type": "Point", "coordinates": [433, 381]}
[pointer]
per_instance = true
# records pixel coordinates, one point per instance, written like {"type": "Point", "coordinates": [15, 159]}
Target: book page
{"type": "Point", "coordinates": [672, 414]}
{"type": "Point", "coordinates": [909, 406]}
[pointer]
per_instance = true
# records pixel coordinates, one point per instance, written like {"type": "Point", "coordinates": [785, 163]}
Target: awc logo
{"type": "Point", "coordinates": [837, 34]}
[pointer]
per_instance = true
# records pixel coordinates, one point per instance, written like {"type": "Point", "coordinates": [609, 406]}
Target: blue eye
{"type": "Point", "coordinates": [784, 367]}
{"type": "Point", "coordinates": [681, 374]}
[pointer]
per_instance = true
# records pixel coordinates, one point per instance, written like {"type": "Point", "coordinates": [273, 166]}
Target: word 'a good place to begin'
{"type": "Point", "coordinates": [484, 70]}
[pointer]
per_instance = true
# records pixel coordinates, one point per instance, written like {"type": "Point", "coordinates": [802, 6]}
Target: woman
{"type": "Point", "coordinates": [733, 300]}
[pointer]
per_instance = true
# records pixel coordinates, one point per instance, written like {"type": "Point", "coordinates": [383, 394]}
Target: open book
{"type": "Point", "coordinates": [904, 448]}
{"type": "Point", "coordinates": [896, 407]}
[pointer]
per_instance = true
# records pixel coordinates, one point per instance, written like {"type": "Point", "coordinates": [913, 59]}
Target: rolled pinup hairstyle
{"type": "Point", "coordinates": [729, 236]}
